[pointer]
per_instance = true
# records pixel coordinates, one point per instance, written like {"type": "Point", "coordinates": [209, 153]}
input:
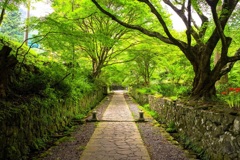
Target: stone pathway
{"type": "Point", "coordinates": [118, 138]}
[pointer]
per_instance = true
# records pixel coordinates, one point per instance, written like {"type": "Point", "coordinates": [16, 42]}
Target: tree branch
{"type": "Point", "coordinates": [62, 79]}
{"type": "Point", "coordinates": [3, 11]}
{"type": "Point", "coordinates": [232, 61]}
{"type": "Point", "coordinates": [212, 3]}
{"type": "Point", "coordinates": [130, 60]}
{"type": "Point", "coordinates": [189, 40]}
{"type": "Point", "coordinates": [236, 56]}
{"type": "Point", "coordinates": [218, 25]}
{"type": "Point", "coordinates": [114, 54]}
{"type": "Point", "coordinates": [135, 27]}
{"type": "Point", "coordinates": [2, 15]}
{"type": "Point", "coordinates": [227, 9]}
{"type": "Point", "coordinates": [181, 14]}
{"type": "Point", "coordinates": [204, 19]}
{"type": "Point", "coordinates": [81, 18]}
{"type": "Point", "coordinates": [162, 22]}
{"type": "Point", "coordinates": [43, 36]}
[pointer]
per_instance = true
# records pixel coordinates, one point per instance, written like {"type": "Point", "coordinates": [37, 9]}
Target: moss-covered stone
{"type": "Point", "coordinates": [28, 127]}
{"type": "Point", "coordinates": [214, 132]}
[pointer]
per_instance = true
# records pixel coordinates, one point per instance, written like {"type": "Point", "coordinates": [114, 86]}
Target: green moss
{"type": "Point", "coordinates": [171, 127]}
{"type": "Point", "coordinates": [158, 95]}
{"type": "Point", "coordinates": [173, 98]}
{"type": "Point", "coordinates": [45, 154]}
{"type": "Point", "coordinates": [39, 143]}
{"type": "Point", "coordinates": [13, 152]}
{"type": "Point", "coordinates": [64, 139]}
{"type": "Point", "coordinates": [146, 108]}
{"type": "Point", "coordinates": [41, 102]}
{"type": "Point", "coordinates": [188, 144]}
{"type": "Point", "coordinates": [81, 148]}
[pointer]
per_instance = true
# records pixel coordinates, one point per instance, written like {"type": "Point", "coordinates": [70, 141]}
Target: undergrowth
{"type": "Point", "coordinates": [39, 86]}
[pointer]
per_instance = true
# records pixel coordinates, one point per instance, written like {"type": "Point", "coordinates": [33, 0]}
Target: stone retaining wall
{"type": "Point", "coordinates": [26, 128]}
{"type": "Point", "coordinates": [139, 97]}
{"type": "Point", "coordinates": [216, 132]}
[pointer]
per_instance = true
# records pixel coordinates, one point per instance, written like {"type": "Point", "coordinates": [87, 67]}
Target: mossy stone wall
{"type": "Point", "coordinates": [139, 97]}
{"type": "Point", "coordinates": [26, 128]}
{"type": "Point", "coordinates": [215, 132]}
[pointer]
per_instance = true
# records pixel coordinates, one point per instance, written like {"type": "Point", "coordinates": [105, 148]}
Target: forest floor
{"type": "Point", "coordinates": [159, 143]}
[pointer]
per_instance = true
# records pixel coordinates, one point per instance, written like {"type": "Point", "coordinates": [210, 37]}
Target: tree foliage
{"type": "Point", "coordinates": [12, 26]}
{"type": "Point", "coordinates": [90, 34]}
{"type": "Point", "coordinates": [9, 5]}
{"type": "Point", "coordinates": [198, 46]}
{"type": "Point", "coordinates": [95, 36]}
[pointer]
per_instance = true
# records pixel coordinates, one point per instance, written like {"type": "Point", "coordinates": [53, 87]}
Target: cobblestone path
{"type": "Point", "coordinates": [117, 136]}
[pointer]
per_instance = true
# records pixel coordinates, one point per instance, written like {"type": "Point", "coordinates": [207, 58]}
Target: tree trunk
{"type": "Point", "coordinates": [224, 78]}
{"type": "Point", "coordinates": [2, 15]}
{"type": "Point", "coordinates": [146, 76]}
{"type": "Point", "coordinates": [199, 53]}
{"type": "Point", "coordinates": [27, 25]}
{"type": "Point", "coordinates": [205, 78]}
{"type": "Point", "coordinates": [96, 68]}
{"type": "Point", "coordinates": [7, 63]}
{"type": "Point", "coordinates": [3, 11]}
{"type": "Point", "coordinates": [203, 87]}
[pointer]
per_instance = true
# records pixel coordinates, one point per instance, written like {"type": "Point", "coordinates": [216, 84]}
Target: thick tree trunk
{"type": "Point", "coordinates": [7, 63]}
{"type": "Point", "coordinates": [205, 78]}
{"type": "Point", "coordinates": [203, 87]}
